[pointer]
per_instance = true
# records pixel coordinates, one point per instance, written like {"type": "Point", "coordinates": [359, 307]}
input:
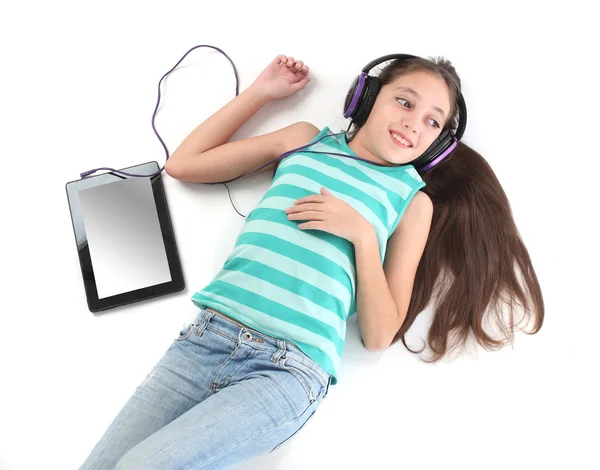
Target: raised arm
{"type": "Point", "coordinates": [206, 156]}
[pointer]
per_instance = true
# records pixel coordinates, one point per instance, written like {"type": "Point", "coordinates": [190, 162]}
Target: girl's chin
{"type": "Point", "coordinates": [403, 156]}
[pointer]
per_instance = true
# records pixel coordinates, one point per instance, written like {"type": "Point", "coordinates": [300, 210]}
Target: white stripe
{"type": "Point", "coordinates": [376, 193]}
{"type": "Point", "coordinates": [280, 202]}
{"type": "Point", "coordinates": [296, 269]}
{"type": "Point", "coordinates": [284, 297]}
{"type": "Point", "coordinates": [393, 184]}
{"type": "Point", "coordinates": [412, 172]}
{"type": "Point", "coordinates": [303, 239]}
{"type": "Point", "coordinates": [310, 185]}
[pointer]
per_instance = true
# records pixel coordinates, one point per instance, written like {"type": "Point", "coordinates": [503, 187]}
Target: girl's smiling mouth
{"type": "Point", "coordinates": [400, 139]}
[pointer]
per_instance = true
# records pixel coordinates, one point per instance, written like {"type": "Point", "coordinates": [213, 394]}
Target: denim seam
{"type": "Point", "coordinates": [293, 434]}
{"type": "Point", "coordinates": [247, 353]}
{"type": "Point", "coordinates": [256, 437]}
{"type": "Point", "coordinates": [221, 334]}
{"type": "Point", "coordinates": [323, 380]}
{"type": "Point", "coordinates": [300, 380]}
{"type": "Point", "coordinates": [214, 379]}
{"type": "Point", "coordinates": [201, 327]}
{"type": "Point", "coordinates": [310, 363]}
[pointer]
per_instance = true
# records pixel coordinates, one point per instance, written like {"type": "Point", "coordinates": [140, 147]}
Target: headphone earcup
{"type": "Point", "coordinates": [350, 96]}
{"type": "Point", "coordinates": [367, 100]}
{"type": "Point", "coordinates": [438, 146]}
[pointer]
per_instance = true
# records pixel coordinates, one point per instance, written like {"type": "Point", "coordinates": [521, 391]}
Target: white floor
{"type": "Point", "coordinates": [79, 86]}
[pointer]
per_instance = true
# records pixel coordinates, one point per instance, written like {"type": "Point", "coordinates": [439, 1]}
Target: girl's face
{"type": "Point", "coordinates": [407, 116]}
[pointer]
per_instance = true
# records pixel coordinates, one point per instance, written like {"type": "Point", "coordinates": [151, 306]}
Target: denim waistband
{"type": "Point", "coordinates": [256, 339]}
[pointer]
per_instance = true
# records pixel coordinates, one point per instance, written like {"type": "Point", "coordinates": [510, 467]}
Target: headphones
{"type": "Point", "coordinates": [361, 97]}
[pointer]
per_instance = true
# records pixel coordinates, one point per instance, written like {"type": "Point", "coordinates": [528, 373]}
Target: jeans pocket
{"type": "Point", "coordinates": [308, 380]}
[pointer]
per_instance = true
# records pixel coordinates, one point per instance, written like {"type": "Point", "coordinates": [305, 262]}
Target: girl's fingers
{"type": "Point", "coordinates": [303, 70]}
{"type": "Point", "coordinates": [296, 65]}
{"type": "Point", "coordinates": [307, 215]}
{"type": "Point", "coordinates": [304, 207]}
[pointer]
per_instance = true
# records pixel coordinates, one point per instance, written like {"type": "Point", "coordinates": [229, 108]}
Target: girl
{"type": "Point", "coordinates": [347, 226]}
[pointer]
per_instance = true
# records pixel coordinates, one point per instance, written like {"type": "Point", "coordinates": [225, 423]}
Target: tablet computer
{"type": "Point", "coordinates": [124, 237]}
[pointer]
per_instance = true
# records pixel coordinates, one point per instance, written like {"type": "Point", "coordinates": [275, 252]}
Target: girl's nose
{"type": "Point", "coordinates": [409, 124]}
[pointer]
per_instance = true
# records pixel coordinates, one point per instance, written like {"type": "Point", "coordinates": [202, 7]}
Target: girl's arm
{"type": "Point", "coordinates": [384, 291]}
{"type": "Point", "coordinates": [206, 155]}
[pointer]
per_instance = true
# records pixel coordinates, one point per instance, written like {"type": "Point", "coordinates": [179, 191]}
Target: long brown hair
{"type": "Point", "coordinates": [475, 268]}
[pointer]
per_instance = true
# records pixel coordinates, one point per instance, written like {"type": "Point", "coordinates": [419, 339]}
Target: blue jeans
{"type": "Point", "coordinates": [220, 395]}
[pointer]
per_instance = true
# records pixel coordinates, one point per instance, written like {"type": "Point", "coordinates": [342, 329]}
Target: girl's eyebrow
{"type": "Point", "coordinates": [410, 90]}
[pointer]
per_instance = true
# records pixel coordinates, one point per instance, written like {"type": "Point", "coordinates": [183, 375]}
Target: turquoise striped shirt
{"type": "Point", "coordinates": [300, 285]}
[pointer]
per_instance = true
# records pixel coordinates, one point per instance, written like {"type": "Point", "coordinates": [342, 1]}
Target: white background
{"type": "Point", "coordinates": [79, 85]}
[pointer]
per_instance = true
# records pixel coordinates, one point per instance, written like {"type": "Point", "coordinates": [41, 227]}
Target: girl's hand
{"type": "Point", "coordinates": [284, 76]}
{"type": "Point", "coordinates": [328, 213]}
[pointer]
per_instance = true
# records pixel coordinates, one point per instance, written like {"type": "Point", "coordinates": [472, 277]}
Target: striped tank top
{"type": "Point", "coordinates": [299, 285]}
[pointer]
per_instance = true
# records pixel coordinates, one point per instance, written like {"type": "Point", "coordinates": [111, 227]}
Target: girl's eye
{"type": "Point", "coordinates": [433, 122]}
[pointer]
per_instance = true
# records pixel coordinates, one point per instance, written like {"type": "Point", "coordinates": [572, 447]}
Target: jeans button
{"type": "Point", "coordinates": [247, 336]}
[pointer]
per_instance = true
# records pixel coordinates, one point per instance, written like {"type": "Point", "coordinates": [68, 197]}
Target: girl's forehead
{"type": "Point", "coordinates": [424, 86]}
{"type": "Point", "coordinates": [420, 81]}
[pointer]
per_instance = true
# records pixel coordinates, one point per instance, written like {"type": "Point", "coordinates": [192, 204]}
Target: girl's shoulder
{"type": "Point", "coordinates": [300, 133]}
{"type": "Point", "coordinates": [294, 136]}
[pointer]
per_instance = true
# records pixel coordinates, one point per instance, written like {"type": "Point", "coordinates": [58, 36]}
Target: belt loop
{"type": "Point", "coordinates": [282, 346]}
{"type": "Point", "coordinates": [208, 314]}
{"type": "Point", "coordinates": [280, 352]}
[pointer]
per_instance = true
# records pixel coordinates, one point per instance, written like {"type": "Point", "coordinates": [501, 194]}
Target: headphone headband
{"type": "Point", "coordinates": [367, 68]}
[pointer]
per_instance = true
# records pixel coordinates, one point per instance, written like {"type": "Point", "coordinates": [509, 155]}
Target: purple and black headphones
{"type": "Point", "coordinates": [362, 95]}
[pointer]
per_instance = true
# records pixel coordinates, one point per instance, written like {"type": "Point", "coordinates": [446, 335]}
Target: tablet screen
{"type": "Point", "coordinates": [124, 236]}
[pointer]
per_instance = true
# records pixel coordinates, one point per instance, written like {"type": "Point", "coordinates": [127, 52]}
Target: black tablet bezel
{"type": "Point", "coordinates": [177, 282]}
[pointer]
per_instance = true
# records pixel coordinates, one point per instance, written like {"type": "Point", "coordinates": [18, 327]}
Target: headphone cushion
{"type": "Point", "coordinates": [435, 149]}
{"type": "Point", "coordinates": [367, 100]}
